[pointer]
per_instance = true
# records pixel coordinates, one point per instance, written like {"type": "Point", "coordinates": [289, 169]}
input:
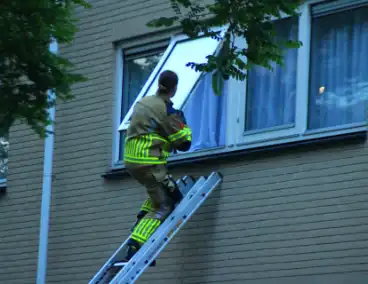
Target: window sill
{"type": "Point", "coordinates": [232, 152]}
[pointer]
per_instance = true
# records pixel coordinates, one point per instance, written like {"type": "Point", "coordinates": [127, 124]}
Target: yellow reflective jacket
{"type": "Point", "coordinates": [155, 130]}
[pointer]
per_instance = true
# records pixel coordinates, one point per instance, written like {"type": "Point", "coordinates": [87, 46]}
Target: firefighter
{"type": "Point", "coordinates": [156, 129]}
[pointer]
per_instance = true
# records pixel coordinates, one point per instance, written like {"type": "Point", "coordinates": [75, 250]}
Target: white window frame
{"type": "Point", "coordinates": [297, 131]}
{"type": "Point", "coordinates": [125, 123]}
{"type": "Point", "coordinates": [236, 138]}
{"type": "Point", "coordinates": [118, 89]}
{"type": "Point", "coordinates": [271, 133]}
{"type": "Point", "coordinates": [156, 72]}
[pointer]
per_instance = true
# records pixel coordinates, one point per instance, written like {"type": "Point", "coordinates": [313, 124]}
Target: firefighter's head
{"type": "Point", "coordinates": [167, 83]}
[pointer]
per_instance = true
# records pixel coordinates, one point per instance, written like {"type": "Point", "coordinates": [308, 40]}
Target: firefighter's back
{"type": "Point", "coordinates": [145, 143]}
{"type": "Point", "coordinates": [146, 117]}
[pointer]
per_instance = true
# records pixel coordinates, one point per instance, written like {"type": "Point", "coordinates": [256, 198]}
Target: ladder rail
{"type": "Point", "coordinates": [160, 239]}
{"type": "Point", "coordinates": [156, 234]}
{"type": "Point", "coordinates": [184, 184]}
{"type": "Point", "coordinates": [182, 223]}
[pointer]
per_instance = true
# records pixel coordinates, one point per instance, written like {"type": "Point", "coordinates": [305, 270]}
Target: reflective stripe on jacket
{"type": "Point", "coordinates": [155, 129]}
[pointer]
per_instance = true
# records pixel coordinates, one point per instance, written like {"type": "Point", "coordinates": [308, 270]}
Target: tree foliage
{"type": "Point", "coordinates": [28, 69]}
{"type": "Point", "coordinates": [252, 20]}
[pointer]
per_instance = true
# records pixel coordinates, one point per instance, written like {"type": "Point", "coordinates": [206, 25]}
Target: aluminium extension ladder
{"type": "Point", "coordinates": [195, 193]}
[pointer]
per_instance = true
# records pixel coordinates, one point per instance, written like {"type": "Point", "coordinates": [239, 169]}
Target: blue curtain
{"type": "Point", "coordinates": [206, 115]}
{"type": "Point", "coordinates": [271, 94]}
{"type": "Point", "coordinates": [339, 69]}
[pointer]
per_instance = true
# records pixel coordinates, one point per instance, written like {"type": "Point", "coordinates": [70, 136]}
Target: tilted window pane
{"type": "Point", "coordinates": [186, 51]}
{"type": "Point", "coordinates": [338, 90]}
{"type": "Point", "coordinates": [176, 57]}
{"type": "Point", "coordinates": [4, 148]}
{"type": "Point", "coordinates": [135, 74]}
{"type": "Point", "coordinates": [271, 94]}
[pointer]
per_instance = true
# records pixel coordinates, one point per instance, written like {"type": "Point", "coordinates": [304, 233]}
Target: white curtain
{"type": "Point", "coordinates": [271, 94]}
{"type": "Point", "coordinates": [339, 69]}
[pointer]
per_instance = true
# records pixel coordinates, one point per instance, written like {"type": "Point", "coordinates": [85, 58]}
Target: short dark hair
{"type": "Point", "coordinates": [167, 81]}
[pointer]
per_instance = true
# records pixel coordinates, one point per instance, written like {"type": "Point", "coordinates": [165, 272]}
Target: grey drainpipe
{"type": "Point", "coordinates": [46, 194]}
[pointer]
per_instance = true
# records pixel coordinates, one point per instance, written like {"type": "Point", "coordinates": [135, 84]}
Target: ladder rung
{"type": "Point", "coordinates": [162, 236]}
{"type": "Point", "coordinates": [120, 264]}
{"type": "Point", "coordinates": [195, 191]}
{"type": "Point", "coordinates": [108, 270]}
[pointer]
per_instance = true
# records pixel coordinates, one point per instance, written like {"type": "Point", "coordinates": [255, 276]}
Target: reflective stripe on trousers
{"type": "Point", "coordinates": [137, 150]}
{"type": "Point", "coordinates": [147, 205]}
{"type": "Point", "coordinates": [145, 228]}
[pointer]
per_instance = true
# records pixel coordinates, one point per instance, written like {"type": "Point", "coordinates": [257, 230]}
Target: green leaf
{"type": "Point", "coordinates": [163, 22]}
{"type": "Point", "coordinates": [251, 20]}
{"type": "Point", "coordinates": [216, 85]}
{"type": "Point", "coordinates": [28, 70]}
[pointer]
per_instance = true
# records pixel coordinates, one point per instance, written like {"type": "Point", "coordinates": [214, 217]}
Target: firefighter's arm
{"type": "Point", "coordinates": [178, 133]}
{"type": "Point", "coordinates": [186, 145]}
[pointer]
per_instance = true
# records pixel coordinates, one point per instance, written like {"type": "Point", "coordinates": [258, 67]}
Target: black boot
{"type": "Point", "coordinates": [174, 192]}
{"type": "Point", "coordinates": [133, 247]}
{"type": "Point", "coordinates": [132, 250]}
{"type": "Point", "coordinates": [176, 195]}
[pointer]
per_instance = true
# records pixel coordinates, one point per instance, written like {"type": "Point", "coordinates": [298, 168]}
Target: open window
{"type": "Point", "coordinates": [180, 51]}
{"type": "Point", "coordinates": [137, 65]}
{"type": "Point", "coordinates": [322, 89]}
{"type": "Point", "coordinates": [139, 73]}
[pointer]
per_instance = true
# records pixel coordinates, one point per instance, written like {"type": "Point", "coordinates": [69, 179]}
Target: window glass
{"type": "Point", "coordinates": [338, 90]}
{"type": "Point", "coordinates": [136, 71]}
{"type": "Point", "coordinates": [271, 93]}
{"type": "Point", "coordinates": [183, 51]}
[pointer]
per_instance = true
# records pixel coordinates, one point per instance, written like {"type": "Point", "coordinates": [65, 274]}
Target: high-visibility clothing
{"type": "Point", "coordinates": [155, 130]}
{"type": "Point", "coordinates": [160, 188]}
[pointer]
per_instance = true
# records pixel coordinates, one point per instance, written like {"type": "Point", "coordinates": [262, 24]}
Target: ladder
{"type": "Point", "coordinates": [195, 192]}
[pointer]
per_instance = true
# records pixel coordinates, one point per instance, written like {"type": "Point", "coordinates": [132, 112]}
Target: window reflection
{"type": "Point", "coordinates": [339, 73]}
{"type": "Point", "coordinates": [136, 71]}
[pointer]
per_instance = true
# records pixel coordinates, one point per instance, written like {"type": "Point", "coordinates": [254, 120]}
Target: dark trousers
{"type": "Point", "coordinates": [163, 194]}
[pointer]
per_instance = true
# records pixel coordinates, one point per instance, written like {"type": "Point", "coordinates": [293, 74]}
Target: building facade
{"type": "Point", "coordinates": [291, 145]}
